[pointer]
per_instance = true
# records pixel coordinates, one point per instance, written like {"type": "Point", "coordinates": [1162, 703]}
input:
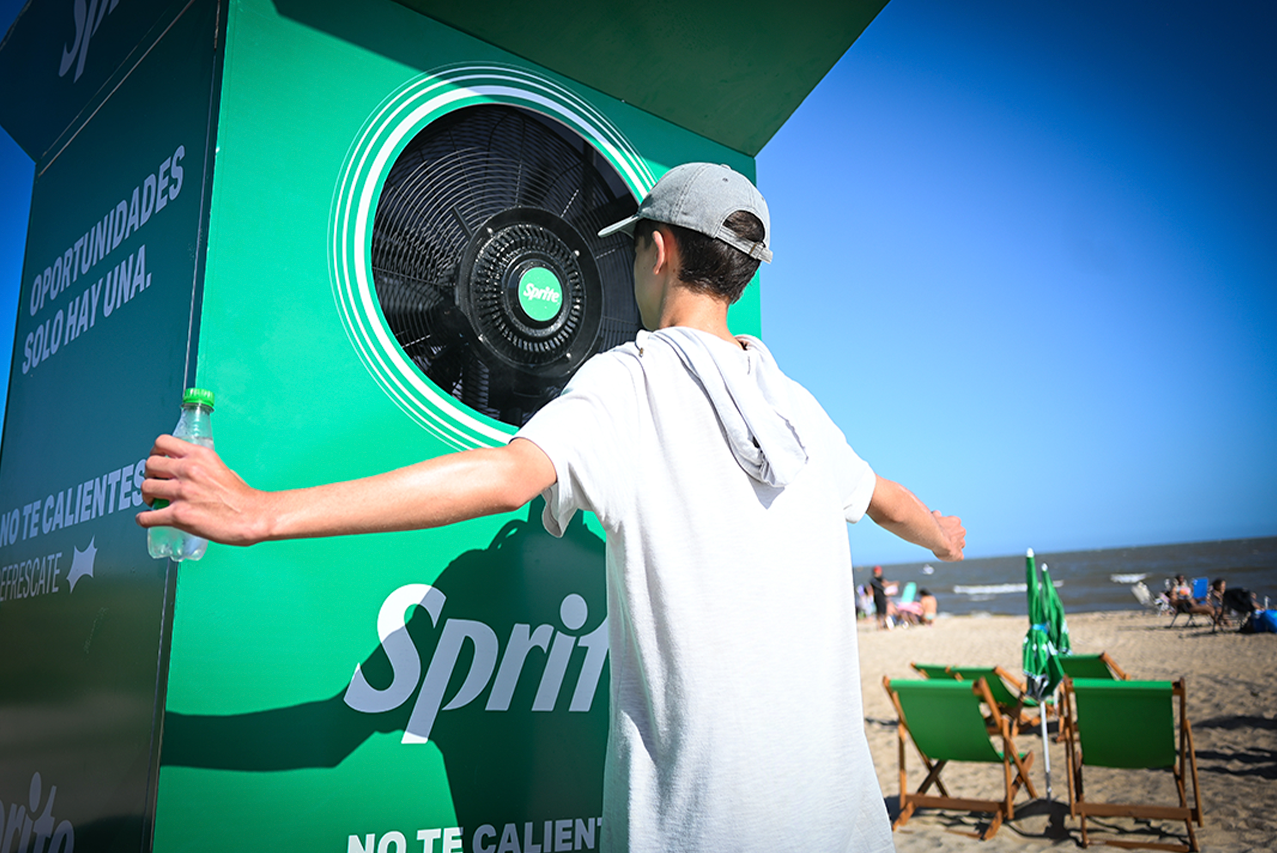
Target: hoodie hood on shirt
{"type": "Point", "coordinates": [749, 394]}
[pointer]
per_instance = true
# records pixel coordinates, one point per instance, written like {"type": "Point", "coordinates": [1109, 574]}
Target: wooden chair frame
{"type": "Point", "coordinates": [1015, 769]}
{"type": "Point", "coordinates": [1184, 767]}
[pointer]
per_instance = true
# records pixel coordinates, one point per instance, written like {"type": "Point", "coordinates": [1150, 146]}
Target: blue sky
{"type": "Point", "coordinates": [1025, 256]}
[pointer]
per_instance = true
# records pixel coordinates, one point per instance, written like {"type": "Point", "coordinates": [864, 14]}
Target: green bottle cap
{"type": "Point", "coordinates": [197, 395]}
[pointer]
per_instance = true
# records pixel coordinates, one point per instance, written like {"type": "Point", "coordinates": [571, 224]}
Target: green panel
{"type": "Point", "coordinates": [733, 73]}
{"type": "Point", "coordinates": [102, 344]}
{"type": "Point", "coordinates": [944, 720]}
{"type": "Point", "coordinates": [731, 77]}
{"type": "Point", "coordinates": [1125, 723]}
{"type": "Point", "coordinates": [260, 725]}
{"type": "Point", "coordinates": [933, 670]}
{"type": "Point", "coordinates": [1086, 666]}
{"type": "Point", "coordinates": [258, 721]}
{"type": "Point", "coordinates": [997, 687]}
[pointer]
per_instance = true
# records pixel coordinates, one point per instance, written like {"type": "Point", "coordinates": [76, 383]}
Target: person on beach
{"type": "Point", "coordinates": [1215, 601]}
{"type": "Point", "coordinates": [864, 601]}
{"type": "Point", "coordinates": [1180, 589]}
{"type": "Point", "coordinates": [884, 607]}
{"type": "Point", "coordinates": [882, 604]}
{"type": "Point", "coordinates": [1182, 600]}
{"type": "Point", "coordinates": [930, 607]}
{"type": "Point", "coordinates": [1179, 593]}
{"type": "Point", "coordinates": [724, 489]}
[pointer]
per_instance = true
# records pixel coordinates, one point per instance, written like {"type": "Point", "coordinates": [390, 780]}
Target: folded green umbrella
{"type": "Point", "coordinates": [1042, 669]}
{"type": "Point", "coordinates": [1057, 628]}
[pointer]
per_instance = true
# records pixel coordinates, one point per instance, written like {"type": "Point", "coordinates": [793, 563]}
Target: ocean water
{"type": "Point", "coordinates": [1089, 580]}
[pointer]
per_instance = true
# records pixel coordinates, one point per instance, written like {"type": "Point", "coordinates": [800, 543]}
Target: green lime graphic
{"type": "Point", "coordinates": [540, 294]}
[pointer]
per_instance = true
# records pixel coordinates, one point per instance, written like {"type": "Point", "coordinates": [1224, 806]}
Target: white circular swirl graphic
{"type": "Point", "coordinates": [387, 131]}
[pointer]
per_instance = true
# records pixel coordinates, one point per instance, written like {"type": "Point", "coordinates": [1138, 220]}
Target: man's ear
{"type": "Point", "coordinates": [665, 247]}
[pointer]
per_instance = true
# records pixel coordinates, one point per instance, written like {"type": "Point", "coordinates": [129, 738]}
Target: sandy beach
{"type": "Point", "coordinates": [1232, 707]}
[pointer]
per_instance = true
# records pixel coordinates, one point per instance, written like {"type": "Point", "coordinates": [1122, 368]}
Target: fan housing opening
{"type": "Point", "coordinates": [486, 261]}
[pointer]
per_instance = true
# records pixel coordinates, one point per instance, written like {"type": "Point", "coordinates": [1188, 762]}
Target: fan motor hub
{"type": "Point", "coordinates": [531, 291]}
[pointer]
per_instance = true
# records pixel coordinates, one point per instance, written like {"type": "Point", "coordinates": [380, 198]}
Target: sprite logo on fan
{"type": "Point", "coordinates": [540, 294]}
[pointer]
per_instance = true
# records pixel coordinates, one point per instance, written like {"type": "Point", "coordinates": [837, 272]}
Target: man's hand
{"type": "Point", "coordinates": [204, 496]}
{"type": "Point", "coordinates": [955, 537]}
{"type": "Point", "coordinates": [895, 508]}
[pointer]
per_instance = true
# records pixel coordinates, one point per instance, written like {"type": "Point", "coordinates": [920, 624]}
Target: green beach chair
{"type": "Point", "coordinates": [1008, 691]}
{"type": "Point", "coordinates": [1011, 701]}
{"type": "Point", "coordinates": [1092, 666]}
{"type": "Point", "coordinates": [944, 720]}
{"type": "Point", "coordinates": [1130, 724]}
{"type": "Point", "coordinates": [933, 670]}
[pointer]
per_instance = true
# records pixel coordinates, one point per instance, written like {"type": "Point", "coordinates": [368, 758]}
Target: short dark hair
{"type": "Point", "coordinates": [709, 265]}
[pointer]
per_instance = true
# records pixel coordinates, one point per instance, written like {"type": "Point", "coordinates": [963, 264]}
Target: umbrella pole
{"type": "Point", "coordinates": [1046, 752]}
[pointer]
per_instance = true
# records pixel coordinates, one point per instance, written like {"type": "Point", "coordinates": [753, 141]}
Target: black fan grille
{"type": "Point", "coordinates": [477, 196]}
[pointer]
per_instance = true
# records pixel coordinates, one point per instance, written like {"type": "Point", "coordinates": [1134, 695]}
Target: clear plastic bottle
{"type": "Point", "coordinates": [195, 426]}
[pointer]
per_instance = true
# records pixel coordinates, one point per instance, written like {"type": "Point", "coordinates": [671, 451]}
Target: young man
{"type": "Point", "coordinates": [724, 490]}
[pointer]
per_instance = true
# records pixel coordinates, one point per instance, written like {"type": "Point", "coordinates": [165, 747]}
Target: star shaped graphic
{"type": "Point", "coordinates": [82, 563]}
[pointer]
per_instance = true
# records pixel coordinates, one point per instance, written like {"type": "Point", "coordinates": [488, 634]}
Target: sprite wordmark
{"type": "Point", "coordinates": [540, 294]}
{"type": "Point", "coordinates": [406, 662]}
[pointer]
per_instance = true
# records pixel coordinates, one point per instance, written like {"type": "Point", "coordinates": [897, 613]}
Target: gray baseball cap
{"type": "Point", "coordinates": [700, 197]}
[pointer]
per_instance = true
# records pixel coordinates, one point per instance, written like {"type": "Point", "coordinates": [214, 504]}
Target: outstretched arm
{"type": "Point", "coordinates": [896, 509]}
{"type": "Point", "coordinates": [210, 500]}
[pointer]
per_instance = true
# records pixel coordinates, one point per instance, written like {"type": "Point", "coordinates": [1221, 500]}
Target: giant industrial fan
{"type": "Point", "coordinates": [487, 263]}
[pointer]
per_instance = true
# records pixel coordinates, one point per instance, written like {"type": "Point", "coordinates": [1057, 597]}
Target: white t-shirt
{"type": "Point", "coordinates": [736, 717]}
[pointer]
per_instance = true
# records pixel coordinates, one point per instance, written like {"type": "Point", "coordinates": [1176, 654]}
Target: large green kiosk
{"type": "Point", "coordinates": [370, 228]}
